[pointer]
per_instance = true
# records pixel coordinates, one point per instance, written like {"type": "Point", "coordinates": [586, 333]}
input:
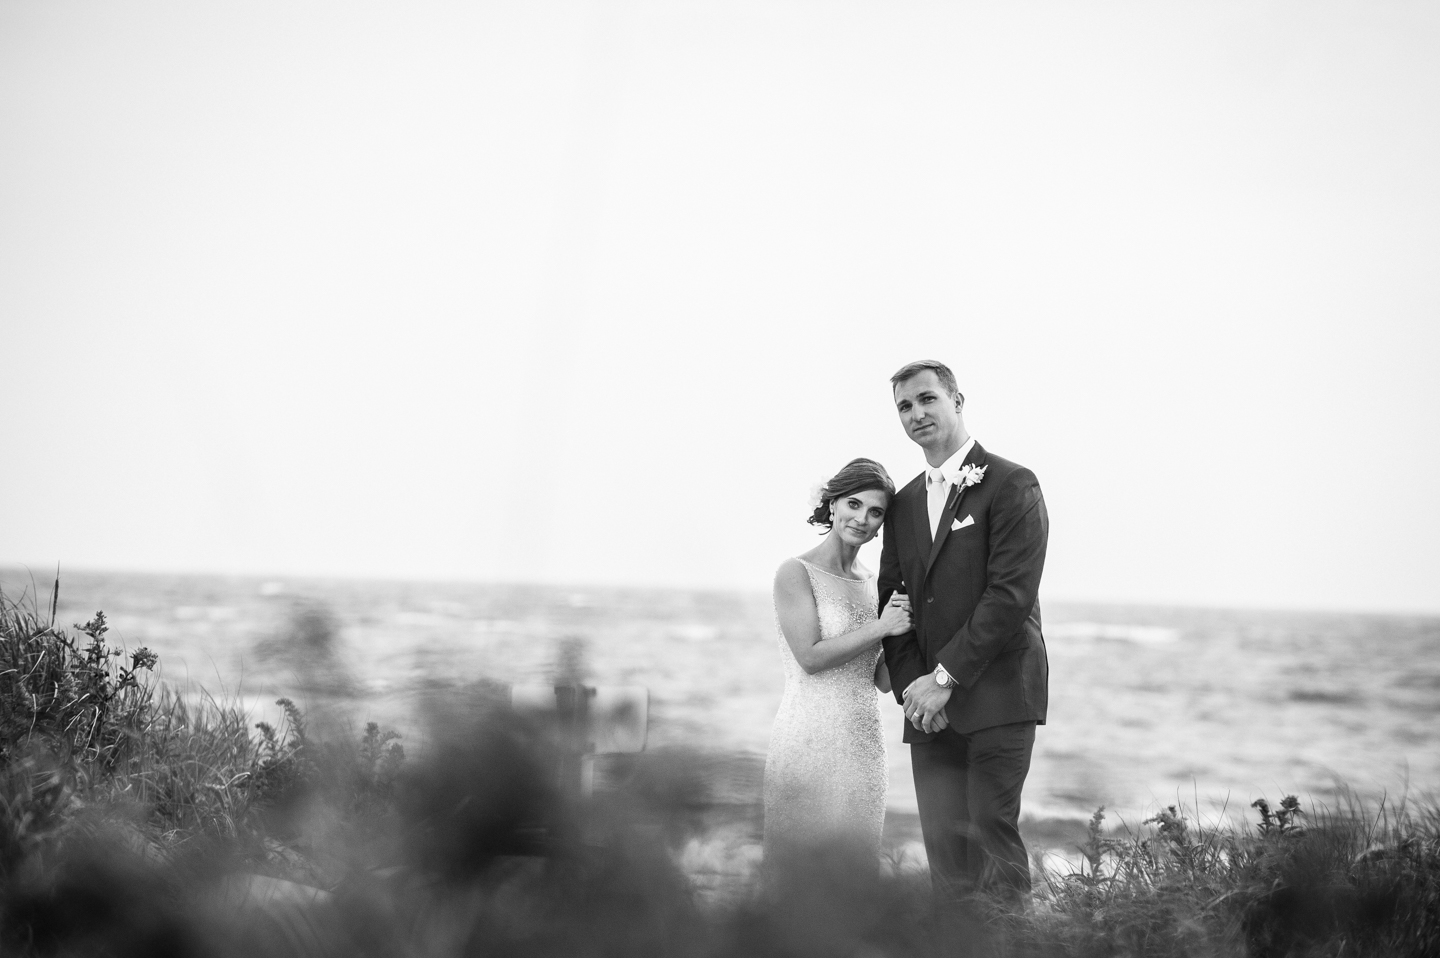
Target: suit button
{"type": "Point", "coordinates": [929, 599]}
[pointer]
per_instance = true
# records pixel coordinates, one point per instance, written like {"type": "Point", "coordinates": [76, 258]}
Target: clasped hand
{"type": "Point", "coordinates": [924, 699]}
{"type": "Point", "coordinates": [925, 704]}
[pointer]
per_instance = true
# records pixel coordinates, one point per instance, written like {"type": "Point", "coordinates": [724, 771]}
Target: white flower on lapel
{"type": "Point", "coordinates": [970, 475]}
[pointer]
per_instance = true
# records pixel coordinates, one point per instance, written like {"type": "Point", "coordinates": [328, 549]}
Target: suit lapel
{"type": "Point", "coordinates": [952, 505]}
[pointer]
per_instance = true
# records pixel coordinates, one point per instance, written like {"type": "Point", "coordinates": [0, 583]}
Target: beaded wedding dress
{"type": "Point", "coordinates": [825, 773]}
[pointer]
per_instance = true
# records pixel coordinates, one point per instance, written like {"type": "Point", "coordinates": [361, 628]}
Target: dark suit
{"type": "Point", "coordinates": [974, 599]}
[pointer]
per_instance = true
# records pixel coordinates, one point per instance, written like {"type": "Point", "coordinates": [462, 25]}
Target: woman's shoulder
{"type": "Point", "coordinates": [792, 570]}
{"type": "Point", "coordinates": [792, 582]}
{"type": "Point", "coordinates": [800, 568]}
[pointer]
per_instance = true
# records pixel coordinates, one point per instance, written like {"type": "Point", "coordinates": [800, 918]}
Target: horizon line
{"type": "Point", "coordinates": [578, 584]}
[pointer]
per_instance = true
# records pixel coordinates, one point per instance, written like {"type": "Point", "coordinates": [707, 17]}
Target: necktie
{"type": "Point", "coordinates": [937, 490]}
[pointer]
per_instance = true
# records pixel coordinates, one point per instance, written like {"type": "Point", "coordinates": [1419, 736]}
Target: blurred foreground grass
{"type": "Point", "coordinates": [134, 821]}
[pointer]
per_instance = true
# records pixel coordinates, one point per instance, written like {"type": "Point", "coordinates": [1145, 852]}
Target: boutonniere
{"type": "Point", "coordinates": [970, 475]}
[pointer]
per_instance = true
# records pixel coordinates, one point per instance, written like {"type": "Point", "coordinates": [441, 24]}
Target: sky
{"type": "Point", "coordinates": [594, 292]}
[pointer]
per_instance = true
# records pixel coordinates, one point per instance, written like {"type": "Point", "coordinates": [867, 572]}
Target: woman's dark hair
{"type": "Point", "coordinates": [857, 476]}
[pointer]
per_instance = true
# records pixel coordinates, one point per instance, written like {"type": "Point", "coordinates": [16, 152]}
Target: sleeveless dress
{"type": "Point", "coordinates": [825, 773]}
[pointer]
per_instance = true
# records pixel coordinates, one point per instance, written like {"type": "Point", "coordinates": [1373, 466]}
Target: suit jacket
{"type": "Point", "coordinates": [973, 595]}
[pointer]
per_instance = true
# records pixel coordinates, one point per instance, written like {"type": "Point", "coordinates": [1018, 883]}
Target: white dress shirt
{"type": "Point", "coordinates": [938, 480]}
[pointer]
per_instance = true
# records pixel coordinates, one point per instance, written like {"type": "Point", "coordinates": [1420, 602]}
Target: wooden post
{"type": "Point", "coordinates": [590, 721]}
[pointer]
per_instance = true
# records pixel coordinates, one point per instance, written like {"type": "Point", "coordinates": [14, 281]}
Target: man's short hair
{"type": "Point", "coordinates": [942, 372]}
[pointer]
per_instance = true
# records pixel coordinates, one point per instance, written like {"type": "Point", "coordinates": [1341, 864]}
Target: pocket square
{"type": "Point", "coordinates": [960, 524]}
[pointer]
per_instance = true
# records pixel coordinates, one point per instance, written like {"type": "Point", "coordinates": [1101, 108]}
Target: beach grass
{"type": "Point", "coordinates": [1357, 879]}
{"type": "Point", "coordinates": [136, 820]}
{"type": "Point", "coordinates": [90, 739]}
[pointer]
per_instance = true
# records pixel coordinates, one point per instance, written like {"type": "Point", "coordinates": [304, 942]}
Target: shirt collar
{"type": "Point", "coordinates": [950, 467]}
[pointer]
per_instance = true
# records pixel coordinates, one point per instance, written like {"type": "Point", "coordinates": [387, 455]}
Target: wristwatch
{"type": "Point", "coordinates": [942, 678]}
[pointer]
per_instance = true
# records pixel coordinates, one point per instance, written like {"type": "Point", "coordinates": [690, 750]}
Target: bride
{"type": "Point", "coordinates": [825, 773]}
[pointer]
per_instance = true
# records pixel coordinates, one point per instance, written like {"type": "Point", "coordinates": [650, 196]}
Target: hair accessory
{"type": "Point", "coordinates": [817, 494]}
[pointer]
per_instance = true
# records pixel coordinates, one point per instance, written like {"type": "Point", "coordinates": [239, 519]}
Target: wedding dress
{"type": "Point", "coordinates": [825, 773]}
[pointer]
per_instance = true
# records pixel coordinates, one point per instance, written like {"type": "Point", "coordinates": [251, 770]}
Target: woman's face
{"type": "Point", "coordinates": [858, 516]}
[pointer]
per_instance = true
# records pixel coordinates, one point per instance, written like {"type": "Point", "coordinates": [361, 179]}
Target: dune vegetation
{"type": "Point", "coordinates": [135, 820]}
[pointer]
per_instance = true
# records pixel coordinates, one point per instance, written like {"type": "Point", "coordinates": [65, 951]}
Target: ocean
{"type": "Point", "coordinates": [1150, 706]}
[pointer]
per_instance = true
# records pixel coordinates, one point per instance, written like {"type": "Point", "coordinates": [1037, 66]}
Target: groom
{"type": "Point", "coordinates": [966, 541]}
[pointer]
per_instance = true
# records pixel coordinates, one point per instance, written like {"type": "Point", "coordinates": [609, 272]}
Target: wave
{"type": "Point", "coordinates": [1113, 632]}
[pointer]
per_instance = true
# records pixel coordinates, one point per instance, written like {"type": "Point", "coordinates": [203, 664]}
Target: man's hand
{"type": "Point", "coordinates": [925, 704]}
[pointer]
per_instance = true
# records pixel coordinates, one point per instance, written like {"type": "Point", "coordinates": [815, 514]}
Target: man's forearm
{"type": "Point", "coordinates": [985, 636]}
{"type": "Point", "coordinates": [903, 659]}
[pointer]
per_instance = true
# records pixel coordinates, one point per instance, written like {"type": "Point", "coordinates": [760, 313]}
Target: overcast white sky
{"type": "Point", "coordinates": [594, 292]}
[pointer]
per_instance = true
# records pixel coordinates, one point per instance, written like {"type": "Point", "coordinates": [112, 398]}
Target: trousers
{"type": "Point", "coordinates": [968, 788]}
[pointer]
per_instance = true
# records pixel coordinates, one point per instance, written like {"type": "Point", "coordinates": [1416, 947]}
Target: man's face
{"type": "Point", "coordinates": [930, 415]}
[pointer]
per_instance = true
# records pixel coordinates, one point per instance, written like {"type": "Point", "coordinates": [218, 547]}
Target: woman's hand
{"type": "Point", "coordinates": [895, 620]}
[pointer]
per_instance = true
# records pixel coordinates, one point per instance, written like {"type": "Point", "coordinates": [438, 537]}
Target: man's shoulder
{"type": "Point", "coordinates": [910, 496]}
{"type": "Point", "coordinates": [999, 470]}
